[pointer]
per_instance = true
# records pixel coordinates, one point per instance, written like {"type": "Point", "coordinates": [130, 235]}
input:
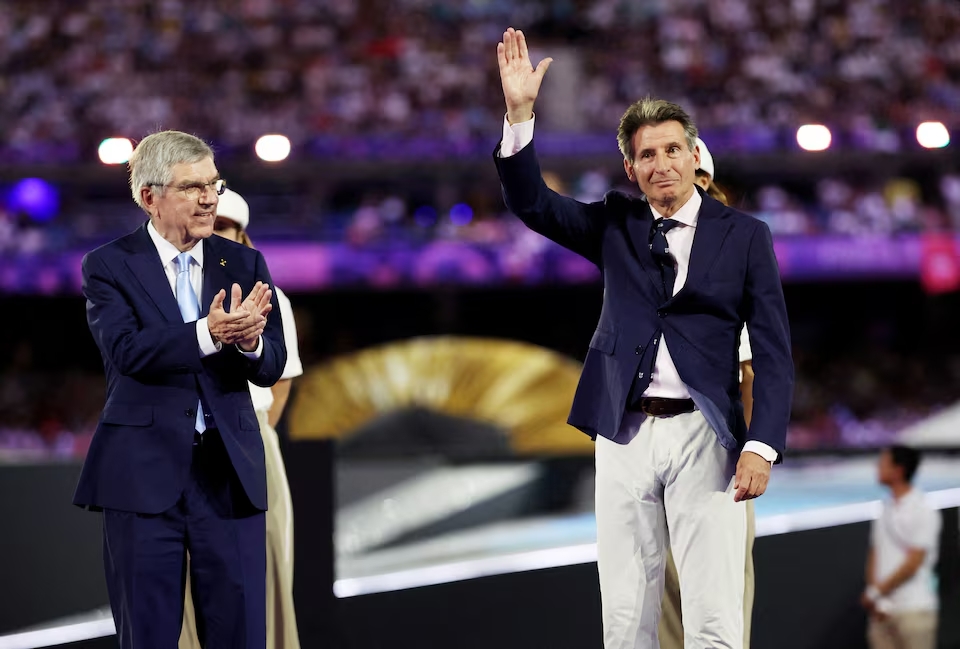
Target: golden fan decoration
{"type": "Point", "coordinates": [524, 389]}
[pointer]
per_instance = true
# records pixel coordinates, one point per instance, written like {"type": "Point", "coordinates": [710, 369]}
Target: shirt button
{"type": "Point", "coordinates": [640, 375]}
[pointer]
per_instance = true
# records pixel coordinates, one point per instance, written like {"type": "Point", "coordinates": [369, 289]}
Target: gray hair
{"type": "Point", "coordinates": [152, 162]}
{"type": "Point", "coordinates": [650, 112]}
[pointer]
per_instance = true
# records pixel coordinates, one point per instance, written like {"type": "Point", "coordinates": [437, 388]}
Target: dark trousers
{"type": "Point", "coordinates": [145, 561]}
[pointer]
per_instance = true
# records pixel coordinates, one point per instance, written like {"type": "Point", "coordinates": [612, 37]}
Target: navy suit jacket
{"type": "Point", "coordinates": [139, 458]}
{"type": "Point", "coordinates": [733, 278]}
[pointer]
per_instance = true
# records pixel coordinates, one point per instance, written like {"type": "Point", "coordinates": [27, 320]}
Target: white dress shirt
{"type": "Point", "coordinates": [168, 257]}
{"type": "Point", "coordinates": [665, 381]}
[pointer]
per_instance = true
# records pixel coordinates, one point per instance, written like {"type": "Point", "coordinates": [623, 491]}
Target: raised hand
{"type": "Point", "coordinates": [521, 82]}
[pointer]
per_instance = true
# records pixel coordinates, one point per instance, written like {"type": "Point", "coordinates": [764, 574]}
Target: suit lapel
{"type": "Point", "coordinates": [214, 275]}
{"type": "Point", "coordinates": [639, 221]}
{"type": "Point", "coordinates": [146, 266]}
{"type": "Point", "coordinates": [712, 229]}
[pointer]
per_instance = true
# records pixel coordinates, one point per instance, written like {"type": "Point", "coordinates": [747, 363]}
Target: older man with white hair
{"type": "Point", "coordinates": [176, 463]}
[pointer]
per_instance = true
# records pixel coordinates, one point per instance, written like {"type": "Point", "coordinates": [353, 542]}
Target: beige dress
{"type": "Point", "coordinates": [281, 615]}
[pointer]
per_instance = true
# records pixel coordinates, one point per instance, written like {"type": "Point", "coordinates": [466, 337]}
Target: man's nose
{"type": "Point", "coordinates": [662, 161]}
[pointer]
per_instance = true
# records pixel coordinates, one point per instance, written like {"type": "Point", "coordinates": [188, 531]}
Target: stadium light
{"type": "Point", "coordinates": [115, 150]}
{"type": "Point", "coordinates": [814, 137]}
{"type": "Point", "coordinates": [461, 214]}
{"type": "Point", "coordinates": [273, 148]}
{"type": "Point", "coordinates": [35, 197]}
{"type": "Point", "coordinates": [933, 135]}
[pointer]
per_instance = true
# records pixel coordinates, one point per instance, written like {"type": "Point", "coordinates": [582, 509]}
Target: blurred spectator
{"type": "Point", "coordinates": [45, 413]}
{"type": "Point", "coordinates": [473, 211]}
{"type": "Point", "coordinates": [76, 72]}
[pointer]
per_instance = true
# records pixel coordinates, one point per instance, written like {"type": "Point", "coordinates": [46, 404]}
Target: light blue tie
{"type": "Point", "coordinates": [190, 310]}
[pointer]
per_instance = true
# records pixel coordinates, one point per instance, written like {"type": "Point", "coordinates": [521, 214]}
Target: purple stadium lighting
{"type": "Point", "coordinates": [461, 214]}
{"type": "Point", "coordinates": [34, 197]}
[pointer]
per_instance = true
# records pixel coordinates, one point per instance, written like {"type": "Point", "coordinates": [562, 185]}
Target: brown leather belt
{"type": "Point", "coordinates": [663, 407]}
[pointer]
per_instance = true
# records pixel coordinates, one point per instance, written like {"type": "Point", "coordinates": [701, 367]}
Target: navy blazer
{"type": "Point", "coordinates": [140, 455]}
{"type": "Point", "coordinates": [733, 278]}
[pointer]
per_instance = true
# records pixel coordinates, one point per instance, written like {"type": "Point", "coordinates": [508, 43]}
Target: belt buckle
{"type": "Point", "coordinates": [645, 407]}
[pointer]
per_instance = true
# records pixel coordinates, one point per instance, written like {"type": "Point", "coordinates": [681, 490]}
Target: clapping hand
{"type": "Point", "coordinates": [521, 82]}
{"type": "Point", "coordinates": [244, 323]}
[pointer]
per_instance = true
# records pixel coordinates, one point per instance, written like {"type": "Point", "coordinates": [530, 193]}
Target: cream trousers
{"type": "Point", "coordinates": [907, 630]}
{"type": "Point", "coordinates": [673, 475]}
{"type": "Point", "coordinates": [671, 620]}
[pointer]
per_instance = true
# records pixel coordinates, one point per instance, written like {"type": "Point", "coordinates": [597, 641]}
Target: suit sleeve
{"type": "Point", "coordinates": [766, 317]}
{"type": "Point", "coordinates": [574, 225]}
{"type": "Point", "coordinates": [134, 349]}
{"type": "Point", "coordinates": [267, 369]}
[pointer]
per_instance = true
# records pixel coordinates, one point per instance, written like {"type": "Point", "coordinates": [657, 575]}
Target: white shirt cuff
{"type": "Point", "coordinates": [256, 353]}
{"type": "Point", "coordinates": [516, 136]}
{"type": "Point", "coordinates": [763, 450]}
{"type": "Point", "coordinates": [205, 340]}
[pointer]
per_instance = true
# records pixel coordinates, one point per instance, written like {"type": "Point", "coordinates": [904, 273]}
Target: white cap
{"type": "Point", "coordinates": [706, 160]}
{"type": "Point", "coordinates": [232, 206]}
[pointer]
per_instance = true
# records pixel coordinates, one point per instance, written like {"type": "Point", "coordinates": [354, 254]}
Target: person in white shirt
{"type": "Point", "coordinates": [901, 595]}
{"type": "Point", "coordinates": [233, 217]}
{"type": "Point", "coordinates": [671, 620]}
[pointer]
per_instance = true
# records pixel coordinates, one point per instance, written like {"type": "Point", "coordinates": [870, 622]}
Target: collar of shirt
{"type": "Point", "coordinates": [909, 499]}
{"type": "Point", "coordinates": [688, 214]}
{"type": "Point", "coordinates": [169, 252]}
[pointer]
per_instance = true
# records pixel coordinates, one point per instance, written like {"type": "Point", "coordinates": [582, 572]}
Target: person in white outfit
{"type": "Point", "coordinates": [901, 596]}
{"type": "Point", "coordinates": [233, 217]}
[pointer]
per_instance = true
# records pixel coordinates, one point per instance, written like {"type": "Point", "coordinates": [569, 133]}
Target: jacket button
{"type": "Point", "coordinates": [638, 350]}
{"type": "Point", "coordinates": [662, 314]}
{"type": "Point", "coordinates": [189, 413]}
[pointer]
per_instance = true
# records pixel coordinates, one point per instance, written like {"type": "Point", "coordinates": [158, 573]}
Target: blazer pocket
{"type": "Point", "coordinates": [248, 420]}
{"type": "Point", "coordinates": [128, 414]}
{"type": "Point", "coordinates": [604, 341]}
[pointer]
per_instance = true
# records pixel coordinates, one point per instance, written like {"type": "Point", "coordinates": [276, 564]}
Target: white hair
{"type": "Point", "coordinates": [152, 162]}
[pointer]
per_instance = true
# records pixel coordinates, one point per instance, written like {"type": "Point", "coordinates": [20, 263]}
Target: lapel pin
{"type": "Point", "coordinates": [223, 262]}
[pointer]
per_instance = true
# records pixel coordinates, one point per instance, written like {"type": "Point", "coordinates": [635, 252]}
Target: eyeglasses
{"type": "Point", "coordinates": [194, 191]}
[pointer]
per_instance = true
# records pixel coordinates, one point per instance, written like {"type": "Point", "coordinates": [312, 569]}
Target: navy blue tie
{"type": "Point", "coordinates": [660, 250]}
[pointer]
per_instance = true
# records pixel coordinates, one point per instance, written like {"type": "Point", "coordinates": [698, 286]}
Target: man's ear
{"type": "Point", "coordinates": [628, 168]}
{"type": "Point", "coordinates": [149, 200]}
